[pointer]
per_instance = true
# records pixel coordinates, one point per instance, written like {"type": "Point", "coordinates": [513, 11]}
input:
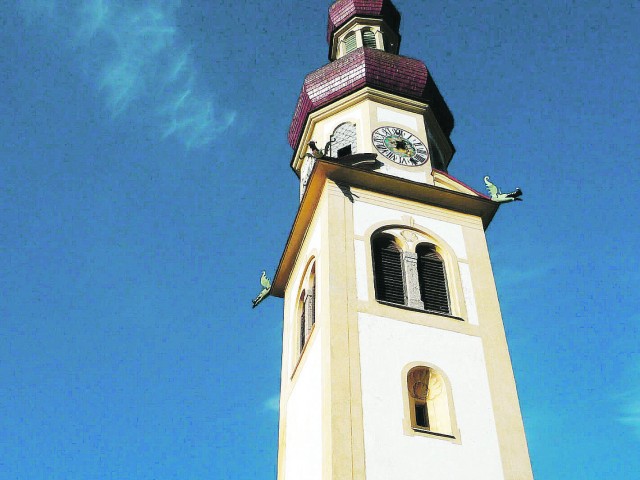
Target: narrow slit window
{"type": "Point", "coordinates": [312, 301]}
{"type": "Point", "coordinates": [303, 323]}
{"type": "Point", "coordinates": [306, 309]}
{"type": "Point", "coordinates": [422, 417]}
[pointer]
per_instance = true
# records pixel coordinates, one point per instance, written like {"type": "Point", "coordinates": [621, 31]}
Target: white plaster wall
{"type": "Point", "coordinates": [469, 296]}
{"type": "Point", "coordinates": [303, 440]}
{"type": "Point", "coordinates": [365, 215]}
{"type": "Point", "coordinates": [385, 115]}
{"type": "Point", "coordinates": [389, 169]}
{"type": "Point", "coordinates": [386, 347]}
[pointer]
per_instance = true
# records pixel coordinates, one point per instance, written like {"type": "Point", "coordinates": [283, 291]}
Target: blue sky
{"type": "Point", "coordinates": [145, 182]}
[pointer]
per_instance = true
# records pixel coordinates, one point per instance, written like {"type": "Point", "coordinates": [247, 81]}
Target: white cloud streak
{"type": "Point", "coordinates": [272, 403]}
{"type": "Point", "coordinates": [141, 63]}
{"type": "Point", "coordinates": [513, 276]}
{"type": "Point", "coordinates": [630, 402]}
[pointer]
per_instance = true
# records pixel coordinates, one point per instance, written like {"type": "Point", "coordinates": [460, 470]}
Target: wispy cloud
{"type": "Point", "coordinates": [631, 415]}
{"type": "Point", "coordinates": [517, 276]}
{"type": "Point", "coordinates": [272, 403]}
{"type": "Point", "coordinates": [630, 402]}
{"type": "Point", "coordinates": [141, 63]}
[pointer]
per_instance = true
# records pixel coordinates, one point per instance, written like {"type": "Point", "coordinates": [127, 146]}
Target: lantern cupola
{"type": "Point", "coordinates": [362, 23]}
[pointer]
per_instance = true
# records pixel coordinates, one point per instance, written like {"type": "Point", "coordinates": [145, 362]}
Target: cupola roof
{"type": "Point", "coordinates": [368, 67]}
{"type": "Point", "coordinates": [341, 11]}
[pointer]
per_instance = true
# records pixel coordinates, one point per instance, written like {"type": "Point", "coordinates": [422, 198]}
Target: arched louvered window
{"type": "Point", "coordinates": [306, 309]}
{"type": "Point", "coordinates": [430, 409]}
{"type": "Point", "coordinates": [432, 279]}
{"type": "Point", "coordinates": [344, 140]}
{"type": "Point", "coordinates": [350, 43]}
{"type": "Point", "coordinates": [369, 39]}
{"type": "Point", "coordinates": [387, 265]}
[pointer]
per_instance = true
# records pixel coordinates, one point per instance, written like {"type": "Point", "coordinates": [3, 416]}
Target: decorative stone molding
{"type": "Point", "coordinates": [412, 288]}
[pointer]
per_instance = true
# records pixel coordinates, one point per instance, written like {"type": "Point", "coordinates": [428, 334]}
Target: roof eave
{"type": "Point", "coordinates": [377, 182]}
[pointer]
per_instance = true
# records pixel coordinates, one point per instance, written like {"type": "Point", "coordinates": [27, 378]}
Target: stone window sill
{"type": "Point", "coordinates": [430, 312]}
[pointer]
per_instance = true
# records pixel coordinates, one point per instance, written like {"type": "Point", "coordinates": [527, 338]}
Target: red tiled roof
{"type": "Point", "coordinates": [342, 10]}
{"type": "Point", "coordinates": [368, 67]}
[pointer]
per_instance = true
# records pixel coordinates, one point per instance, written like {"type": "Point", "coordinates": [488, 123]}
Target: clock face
{"type": "Point", "coordinates": [400, 146]}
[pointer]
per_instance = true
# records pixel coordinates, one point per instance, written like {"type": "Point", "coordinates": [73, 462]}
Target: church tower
{"type": "Point", "coordinates": [395, 362]}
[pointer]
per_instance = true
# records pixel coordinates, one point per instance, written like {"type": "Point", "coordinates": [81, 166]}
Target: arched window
{"type": "Point", "coordinates": [369, 39]}
{"type": "Point", "coordinates": [432, 279]}
{"type": "Point", "coordinates": [429, 404]}
{"type": "Point", "coordinates": [387, 269]}
{"type": "Point", "coordinates": [350, 43]}
{"type": "Point", "coordinates": [306, 309]}
{"type": "Point", "coordinates": [344, 140]}
{"type": "Point", "coordinates": [408, 270]}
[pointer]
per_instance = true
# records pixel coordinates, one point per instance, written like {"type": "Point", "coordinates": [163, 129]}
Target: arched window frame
{"type": "Point", "coordinates": [389, 274]}
{"type": "Point", "coordinates": [385, 38]}
{"type": "Point", "coordinates": [418, 235]}
{"type": "Point", "coordinates": [347, 129]}
{"type": "Point", "coordinates": [354, 38]}
{"type": "Point", "coordinates": [369, 34]}
{"type": "Point", "coordinates": [437, 405]}
{"type": "Point", "coordinates": [350, 42]}
{"type": "Point", "coordinates": [305, 311]}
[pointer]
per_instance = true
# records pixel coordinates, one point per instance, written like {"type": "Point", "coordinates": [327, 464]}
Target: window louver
{"type": "Point", "coordinates": [432, 279]}
{"type": "Point", "coordinates": [303, 327]}
{"type": "Point", "coordinates": [369, 39]}
{"type": "Point", "coordinates": [313, 304]}
{"type": "Point", "coordinates": [388, 271]}
{"type": "Point", "coordinates": [350, 42]}
{"type": "Point", "coordinates": [302, 331]}
{"type": "Point", "coordinates": [308, 317]}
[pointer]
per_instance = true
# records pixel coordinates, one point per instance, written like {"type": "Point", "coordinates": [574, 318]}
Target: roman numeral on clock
{"type": "Point", "coordinates": [400, 146]}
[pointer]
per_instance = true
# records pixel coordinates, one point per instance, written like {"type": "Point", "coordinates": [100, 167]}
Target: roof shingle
{"type": "Point", "coordinates": [368, 67]}
{"type": "Point", "coordinates": [342, 10]}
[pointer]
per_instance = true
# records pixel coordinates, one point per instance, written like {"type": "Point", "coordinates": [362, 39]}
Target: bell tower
{"type": "Point", "coordinates": [395, 363]}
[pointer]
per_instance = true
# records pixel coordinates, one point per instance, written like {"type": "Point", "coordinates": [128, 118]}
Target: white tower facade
{"type": "Point", "coordinates": [395, 363]}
